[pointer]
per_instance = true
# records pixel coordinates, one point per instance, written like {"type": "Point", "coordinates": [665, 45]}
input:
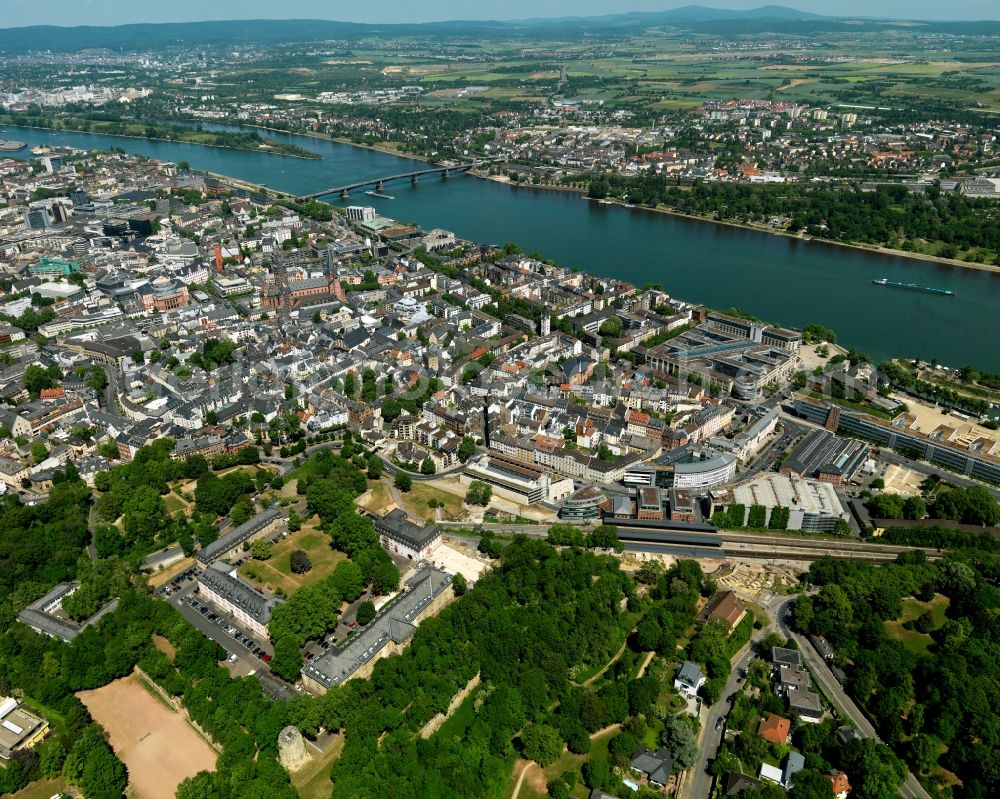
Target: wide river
{"type": "Point", "coordinates": [786, 281]}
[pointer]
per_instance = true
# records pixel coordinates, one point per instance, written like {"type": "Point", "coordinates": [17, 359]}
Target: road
{"type": "Point", "coordinates": [834, 692]}
{"type": "Point", "coordinates": [699, 781]}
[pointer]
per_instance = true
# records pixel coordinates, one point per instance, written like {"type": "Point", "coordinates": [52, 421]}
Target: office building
{"type": "Point", "coordinates": [230, 595]}
{"type": "Point", "coordinates": [402, 537]}
{"type": "Point", "coordinates": [426, 591]}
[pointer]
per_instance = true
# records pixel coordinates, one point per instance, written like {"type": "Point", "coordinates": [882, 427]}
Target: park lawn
{"type": "Point", "coordinates": [378, 499]}
{"type": "Point", "coordinates": [913, 640]}
{"type": "Point", "coordinates": [313, 781]}
{"type": "Point", "coordinates": [938, 607]}
{"type": "Point", "coordinates": [419, 497]}
{"type": "Point", "coordinates": [276, 572]}
{"type": "Point", "coordinates": [174, 504]}
{"type": "Point", "coordinates": [42, 789]}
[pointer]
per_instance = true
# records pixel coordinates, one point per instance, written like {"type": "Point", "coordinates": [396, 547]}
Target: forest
{"type": "Point", "coordinates": [531, 628]}
{"type": "Point", "coordinates": [135, 492]}
{"type": "Point", "coordinates": [974, 505]}
{"type": "Point", "coordinates": [889, 216]}
{"type": "Point", "coordinates": [569, 602]}
{"type": "Point", "coordinates": [930, 686]}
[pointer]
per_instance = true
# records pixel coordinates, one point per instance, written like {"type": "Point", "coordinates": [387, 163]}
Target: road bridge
{"type": "Point", "coordinates": [379, 183]}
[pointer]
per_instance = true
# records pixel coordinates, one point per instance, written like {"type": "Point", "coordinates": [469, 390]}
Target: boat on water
{"type": "Point", "coordinates": [10, 146]}
{"type": "Point", "coordinates": [913, 287]}
{"type": "Point", "coordinates": [380, 195]}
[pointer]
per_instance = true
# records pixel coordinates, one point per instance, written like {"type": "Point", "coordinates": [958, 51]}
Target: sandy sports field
{"type": "Point", "coordinates": [159, 747]}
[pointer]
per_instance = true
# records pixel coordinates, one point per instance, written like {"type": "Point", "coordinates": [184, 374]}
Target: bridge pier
{"type": "Point", "coordinates": [380, 186]}
{"type": "Point", "coordinates": [345, 195]}
{"type": "Point", "coordinates": [446, 174]}
{"type": "Point", "coordinates": [414, 179]}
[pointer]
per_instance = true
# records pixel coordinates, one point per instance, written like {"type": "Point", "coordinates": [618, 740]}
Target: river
{"type": "Point", "coordinates": [783, 280]}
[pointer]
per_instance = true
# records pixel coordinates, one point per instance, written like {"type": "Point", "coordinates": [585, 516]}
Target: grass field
{"type": "Point", "coordinates": [418, 499]}
{"type": "Point", "coordinates": [378, 498]}
{"type": "Point", "coordinates": [276, 573]}
{"type": "Point", "coordinates": [918, 642]}
{"type": "Point", "coordinates": [313, 780]}
{"type": "Point", "coordinates": [175, 504]}
{"type": "Point", "coordinates": [157, 745]}
{"type": "Point", "coordinates": [43, 789]}
{"type": "Point", "coordinates": [535, 782]}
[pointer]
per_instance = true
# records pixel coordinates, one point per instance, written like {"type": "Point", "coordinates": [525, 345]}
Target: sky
{"type": "Point", "coordinates": [114, 12]}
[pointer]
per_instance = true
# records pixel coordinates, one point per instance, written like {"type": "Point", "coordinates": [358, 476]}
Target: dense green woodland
{"type": "Point", "coordinates": [890, 216]}
{"type": "Point", "coordinates": [936, 710]}
{"type": "Point", "coordinates": [116, 126]}
{"type": "Point", "coordinates": [973, 505]}
{"type": "Point", "coordinates": [134, 491]}
{"type": "Point", "coordinates": [40, 544]}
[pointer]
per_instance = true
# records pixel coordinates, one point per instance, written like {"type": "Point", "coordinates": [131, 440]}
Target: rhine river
{"type": "Point", "coordinates": [785, 281]}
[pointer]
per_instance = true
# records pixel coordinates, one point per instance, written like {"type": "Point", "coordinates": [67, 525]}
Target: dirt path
{"type": "Point", "coordinates": [645, 665]}
{"type": "Point", "coordinates": [520, 779]}
{"type": "Point", "coordinates": [607, 666]}
{"type": "Point", "coordinates": [605, 730]}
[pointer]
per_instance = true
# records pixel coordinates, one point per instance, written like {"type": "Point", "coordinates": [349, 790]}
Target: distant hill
{"type": "Point", "coordinates": [696, 13]}
{"type": "Point", "coordinates": [769, 18]}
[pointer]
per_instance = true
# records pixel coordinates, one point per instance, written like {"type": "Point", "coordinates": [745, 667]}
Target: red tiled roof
{"type": "Point", "coordinates": [774, 729]}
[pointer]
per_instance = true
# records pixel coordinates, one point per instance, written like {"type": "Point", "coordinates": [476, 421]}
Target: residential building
{"type": "Point", "coordinates": [724, 607]}
{"type": "Point", "coordinates": [654, 766]}
{"type": "Point", "coordinates": [774, 728]}
{"type": "Point", "coordinates": [689, 678]}
{"type": "Point", "coordinates": [841, 785]}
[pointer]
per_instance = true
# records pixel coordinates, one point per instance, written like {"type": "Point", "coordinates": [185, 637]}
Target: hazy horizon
{"type": "Point", "coordinates": [117, 12]}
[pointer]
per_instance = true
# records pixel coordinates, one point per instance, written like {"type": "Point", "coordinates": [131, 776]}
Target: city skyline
{"type": "Point", "coordinates": [115, 12]}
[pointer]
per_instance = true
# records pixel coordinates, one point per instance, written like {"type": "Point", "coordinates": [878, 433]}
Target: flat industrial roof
{"type": "Point", "coordinates": [771, 490]}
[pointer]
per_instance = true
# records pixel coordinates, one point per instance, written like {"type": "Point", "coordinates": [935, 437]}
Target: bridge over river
{"type": "Point", "coordinates": [379, 183]}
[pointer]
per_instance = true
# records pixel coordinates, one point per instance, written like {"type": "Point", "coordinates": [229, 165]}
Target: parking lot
{"type": "Point", "coordinates": [218, 626]}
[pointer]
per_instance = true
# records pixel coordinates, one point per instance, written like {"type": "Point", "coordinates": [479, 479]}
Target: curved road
{"type": "Point", "coordinates": [699, 782]}
{"type": "Point", "coordinates": [846, 708]}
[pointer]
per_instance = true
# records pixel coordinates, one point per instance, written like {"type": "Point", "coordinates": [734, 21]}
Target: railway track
{"type": "Point", "coordinates": [692, 542]}
{"type": "Point", "coordinates": [752, 552]}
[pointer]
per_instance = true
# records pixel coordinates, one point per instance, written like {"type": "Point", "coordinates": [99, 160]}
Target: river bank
{"type": "Point", "coordinates": [868, 248]}
{"type": "Point", "coordinates": [260, 150]}
{"type": "Point", "coordinates": [506, 181]}
{"type": "Point", "coordinates": [720, 265]}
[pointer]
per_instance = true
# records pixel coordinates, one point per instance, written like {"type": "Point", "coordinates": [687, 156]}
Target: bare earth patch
{"type": "Point", "coordinates": [157, 745]}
